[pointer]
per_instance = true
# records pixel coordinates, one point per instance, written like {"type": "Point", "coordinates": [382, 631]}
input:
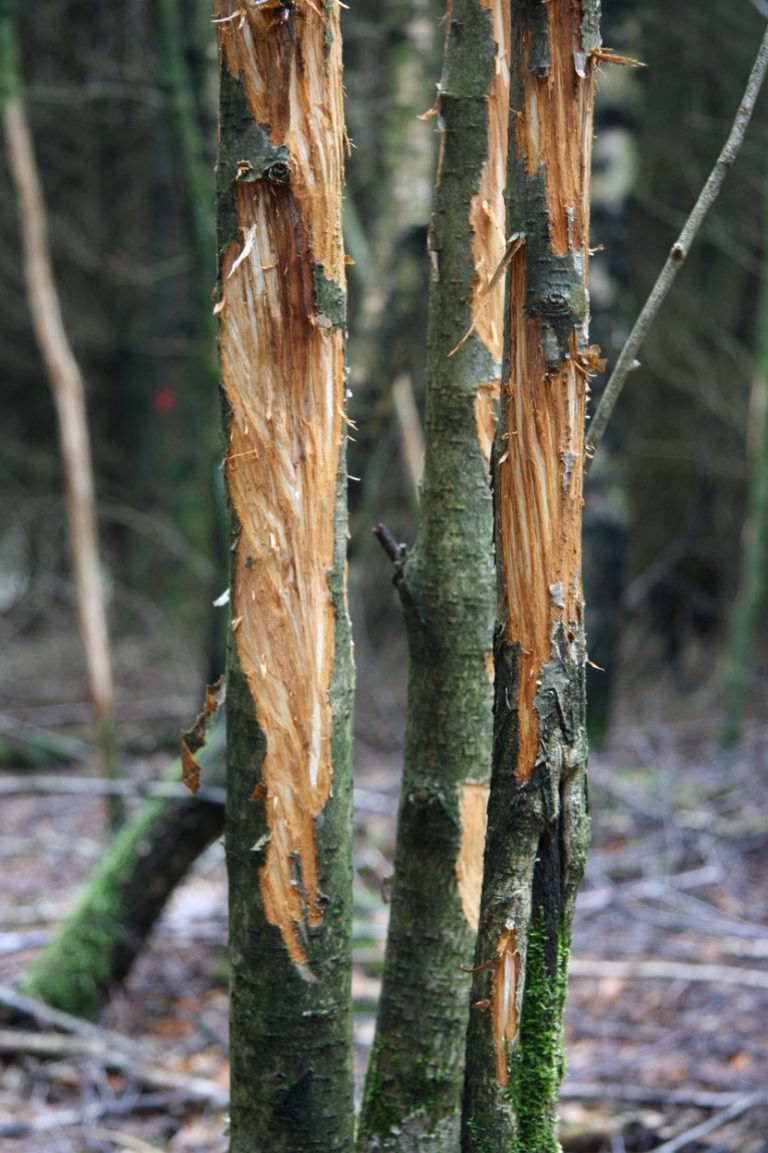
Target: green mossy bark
{"type": "Point", "coordinates": [94, 949]}
{"type": "Point", "coordinates": [413, 1088]}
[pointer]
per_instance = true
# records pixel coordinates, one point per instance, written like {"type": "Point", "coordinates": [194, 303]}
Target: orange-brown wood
{"type": "Point", "coordinates": [283, 372]}
{"type": "Point", "coordinates": [540, 470]}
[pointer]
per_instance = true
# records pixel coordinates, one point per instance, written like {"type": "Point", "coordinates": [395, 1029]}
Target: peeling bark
{"type": "Point", "coordinates": [537, 822]}
{"type": "Point", "coordinates": [282, 345]}
{"type": "Point", "coordinates": [413, 1087]}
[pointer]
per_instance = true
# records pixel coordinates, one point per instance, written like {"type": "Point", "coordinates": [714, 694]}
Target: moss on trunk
{"type": "Point", "coordinates": [413, 1088]}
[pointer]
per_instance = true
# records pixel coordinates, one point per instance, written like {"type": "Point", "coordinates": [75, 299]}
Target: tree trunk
{"type": "Point", "coordinates": [745, 616]}
{"type": "Point", "coordinates": [68, 389]}
{"type": "Point", "coordinates": [282, 316]}
{"type": "Point", "coordinates": [537, 819]}
{"type": "Point", "coordinates": [413, 1087]}
{"type": "Point", "coordinates": [94, 949]}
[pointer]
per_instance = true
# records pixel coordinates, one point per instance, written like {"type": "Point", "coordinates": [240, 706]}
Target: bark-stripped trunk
{"type": "Point", "coordinates": [413, 1088]}
{"type": "Point", "coordinates": [537, 819]}
{"type": "Point", "coordinates": [282, 318]}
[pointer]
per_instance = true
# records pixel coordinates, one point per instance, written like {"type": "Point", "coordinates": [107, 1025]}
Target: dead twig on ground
{"type": "Point", "coordinates": [654, 1095]}
{"type": "Point", "coordinates": [87, 1114]}
{"type": "Point", "coordinates": [39, 1012]}
{"type": "Point", "coordinates": [58, 1045]}
{"type": "Point", "coordinates": [730, 1114]}
{"type": "Point", "coordinates": [669, 971]}
{"type": "Point", "coordinates": [97, 787]}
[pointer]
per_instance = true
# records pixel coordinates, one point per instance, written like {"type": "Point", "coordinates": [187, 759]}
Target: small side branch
{"type": "Point", "coordinates": [678, 253]}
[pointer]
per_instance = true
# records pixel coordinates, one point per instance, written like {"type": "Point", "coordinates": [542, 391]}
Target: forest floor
{"type": "Point", "coordinates": [667, 1022]}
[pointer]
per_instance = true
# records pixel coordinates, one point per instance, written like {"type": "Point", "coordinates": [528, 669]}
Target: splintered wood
{"type": "Point", "coordinates": [540, 470]}
{"type": "Point", "coordinates": [284, 376]}
{"type": "Point", "coordinates": [487, 220]}
{"type": "Point", "coordinates": [502, 1004]}
{"type": "Point", "coordinates": [473, 805]}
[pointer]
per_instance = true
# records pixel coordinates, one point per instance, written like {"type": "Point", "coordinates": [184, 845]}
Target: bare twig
{"type": "Point", "coordinates": [87, 1113]}
{"type": "Point", "coordinates": [669, 971]}
{"type": "Point", "coordinates": [394, 551]}
{"type": "Point", "coordinates": [121, 1138]}
{"type": "Point", "coordinates": [92, 787]}
{"type": "Point", "coordinates": [709, 1126]}
{"type": "Point", "coordinates": [37, 1011]}
{"type": "Point", "coordinates": [649, 1095]}
{"type": "Point", "coordinates": [96, 1049]}
{"type": "Point", "coordinates": [677, 255]}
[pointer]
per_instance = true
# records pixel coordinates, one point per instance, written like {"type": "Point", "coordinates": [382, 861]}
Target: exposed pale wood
{"type": "Point", "coordinates": [285, 429]}
{"type": "Point", "coordinates": [473, 806]}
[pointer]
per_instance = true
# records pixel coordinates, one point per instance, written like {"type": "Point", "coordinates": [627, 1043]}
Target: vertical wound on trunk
{"type": "Point", "coordinates": [487, 221]}
{"type": "Point", "coordinates": [473, 805]}
{"type": "Point", "coordinates": [504, 992]}
{"type": "Point", "coordinates": [283, 372]}
{"type": "Point", "coordinates": [545, 408]}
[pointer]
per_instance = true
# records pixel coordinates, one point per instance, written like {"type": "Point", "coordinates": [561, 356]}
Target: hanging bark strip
{"type": "Point", "coordinates": [282, 347]}
{"type": "Point", "coordinates": [537, 823]}
{"type": "Point", "coordinates": [415, 1077]}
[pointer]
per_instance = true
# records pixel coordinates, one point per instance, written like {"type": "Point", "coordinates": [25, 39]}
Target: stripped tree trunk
{"type": "Point", "coordinates": [282, 332]}
{"type": "Point", "coordinates": [537, 818]}
{"type": "Point", "coordinates": [413, 1088]}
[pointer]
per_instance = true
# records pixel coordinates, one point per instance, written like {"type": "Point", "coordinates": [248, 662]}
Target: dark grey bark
{"type": "Point", "coordinates": [413, 1087]}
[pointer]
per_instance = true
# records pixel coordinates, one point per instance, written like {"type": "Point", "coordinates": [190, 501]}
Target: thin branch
{"type": "Point", "coordinates": [58, 1045]}
{"type": "Point", "coordinates": [37, 1011]}
{"type": "Point", "coordinates": [650, 1095]}
{"type": "Point", "coordinates": [87, 1113]}
{"type": "Point", "coordinates": [679, 251]}
{"type": "Point", "coordinates": [52, 785]}
{"type": "Point", "coordinates": [709, 1126]}
{"type": "Point", "coordinates": [669, 971]}
{"type": "Point", "coordinates": [394, 550]}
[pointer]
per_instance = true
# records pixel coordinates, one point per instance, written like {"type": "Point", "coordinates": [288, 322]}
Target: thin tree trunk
{"type": "Point", "coordinates": [289, 686]}
{"type": "Point", "coordinates": [67, 387]}
{"type": "Point", "coordinates": [94, 949]}
{"type": "Point", "coordinates": [537, 820]}
{"type": "Point", "coordinates": [743, 625]}
{"type": "Point", "coordinates": [413, 1087]}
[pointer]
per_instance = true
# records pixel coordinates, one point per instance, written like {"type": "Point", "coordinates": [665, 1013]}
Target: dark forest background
{"type": "Point", "coordinates": [123, 112]}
